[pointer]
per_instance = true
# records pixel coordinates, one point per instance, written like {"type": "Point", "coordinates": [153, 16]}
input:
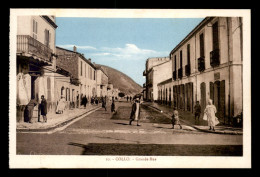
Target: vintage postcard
{"type": "Point", "coordinates": [130, 88]}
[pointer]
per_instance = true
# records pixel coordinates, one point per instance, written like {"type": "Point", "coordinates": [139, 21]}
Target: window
{"type": "Point", "coordinates": [47, 37]}
{"type": "Point", "coordinates": [81, 68]}
{"type": "Point", "coordinates": [35, 29]}
{"type": "Point", "coordinates": [188, 54]}
{"type": "Point", "coordinates": [181, 59]}
{"type": "Point", "coordinates": [202, 45]}
{"type": "Point", "coordinates": [175, 63]}
{"type": "Point", "coordinates": [94, 75]}
{"type": "Point", "coordinates": [215, 36]}
{"type": "Point", "coordinates": [85, 70]}
{"type": "Point", "coordinates": [68, 95]}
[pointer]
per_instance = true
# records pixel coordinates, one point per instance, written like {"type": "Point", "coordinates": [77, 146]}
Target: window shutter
{"type": "Point", "coordinates": [49, 40]}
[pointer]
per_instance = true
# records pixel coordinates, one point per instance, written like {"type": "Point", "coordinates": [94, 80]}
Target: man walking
{"type": "Point", "coordinates": [197, 109]}
{"type": "Point", "coordinates": [43, 108]}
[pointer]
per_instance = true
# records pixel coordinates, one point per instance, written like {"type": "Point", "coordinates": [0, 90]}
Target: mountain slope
{"type": "Point", "coordinates": [121, 81]}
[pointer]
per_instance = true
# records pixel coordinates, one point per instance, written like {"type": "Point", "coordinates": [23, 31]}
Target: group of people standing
{"type": "Point", "coordinates": [129, 98]}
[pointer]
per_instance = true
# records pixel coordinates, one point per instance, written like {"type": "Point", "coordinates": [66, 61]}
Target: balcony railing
{"type": "Point", "coordinates": [180, 73]}
{"type": "Point", "coordinates": [174, 75]}
{"type": "Point", "coordinates": [187, 70]}
{"type": "Point", "coordinates": [27, 44]}
{"type": "Point", "coordinates": [214, 58]}
{"type": "Point", "coordinates": [201, 64]}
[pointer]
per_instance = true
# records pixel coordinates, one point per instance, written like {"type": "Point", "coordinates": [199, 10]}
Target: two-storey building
{"type": "Point", "coordinates": [102, 82]}
{"type": "Point", "coordinates": [36, 61]}
{"type": "Point", "coordinates": [207, 64]}
{"type": "Point", "coordinates": [154, 75]}
{"type": "Point", "coordinates": [83, 74]}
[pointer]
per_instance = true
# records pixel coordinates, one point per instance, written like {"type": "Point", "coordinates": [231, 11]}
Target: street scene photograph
{"type": "Point", "coordinates": [128, 90]}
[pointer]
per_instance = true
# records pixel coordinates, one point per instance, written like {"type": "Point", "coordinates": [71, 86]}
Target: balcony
{"type": "Point", "coordinates": [180, 73]}
{"type": "Point", "coordinates": [214, 58]}
{"type": "Point", "coordinates": [75, 81]}
{"type": "Point", "coordinates": [174, 75]}
{"type": "Point", "coordinates": [201, 64]}
{"type": "Point", "coordinates": [187, 70]}
{"type": "Point", "coordinates": [28, 45]}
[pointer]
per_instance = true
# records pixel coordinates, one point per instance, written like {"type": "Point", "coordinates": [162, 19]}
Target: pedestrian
{"type": "Point", "coordinates": [28, 112]}
{"type": "Point", "coordinates": [127, 98]}
{"type": "Point", "coordinates": [61, 105]}
{"type": "Point", "coordinates": [92, 100]}
{"type": "Point", "coordinates": [113, 106]}
{"type": "Point", "coordinates": [104, 103]}
{"type": "Point", "coordinates": [197, 109]}
{"type": "Point", "coordinates": [43, 108]}
{"type": "Point", "coordinates": [96, 101]}
{"type": "Point", "coordinates": [209, 115]}
{"type": "Point", "coordinates": [84, 101]}
{"type": "Point", "coordinates": [135, 113]}
{"type": "Point", "coordinates": [175, 118]}
{"type": "Point", "coordinates": [130, 98]}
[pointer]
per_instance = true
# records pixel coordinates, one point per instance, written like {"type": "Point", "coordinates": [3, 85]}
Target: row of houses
{"type": "Point", "coordinates": [206, 64]}
{"type": "Point", "coordinates": [55, 72]}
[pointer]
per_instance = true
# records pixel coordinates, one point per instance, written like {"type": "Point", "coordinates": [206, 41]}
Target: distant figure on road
{"type": "Point", "coordinates": [210, 112]}
{"type": "Point", "coordinates": [130, 98]}
{"type": "Point", "coordinates": [28, 112]}
{"type": "Point", "coordinates": [197, 109]}
{"type": "Point", "coordinates": [104, 103]}
{"type": "Point", "coordinates": [43, 108]}
{"type": "Point", "coordinates": [135, 113]}
{"type": "Point", "coordinates": [96, 101]}
{"type": "Point", "coordinates": [113, 106]}
{"type": "Point", "coordinates": [84, 101]}
{"type": "Point", "coordinates": [127, 98]}
{"type": "Point", "coordinates": [92, 100]}
{"type": "Point", "coordinates": [175, 118]}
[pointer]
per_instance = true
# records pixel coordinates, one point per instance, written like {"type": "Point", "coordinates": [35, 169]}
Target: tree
{"type": "Point", "coordinates": [121, 94]}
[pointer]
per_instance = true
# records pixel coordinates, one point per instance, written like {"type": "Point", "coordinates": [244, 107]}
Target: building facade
{"type": "Point", "coordinates": [83, 74]}
{"type": "Point", "coordinates": [157, 70]}
{"type": "Point", "coordinates": [36, 61]}
{"type": "Point", "coordinates": [208, 64]}
{"type": "Point", "coordinates": [102, 82]}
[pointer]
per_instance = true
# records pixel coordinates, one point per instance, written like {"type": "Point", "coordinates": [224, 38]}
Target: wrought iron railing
{"type": "Point", "coordinates": [201, 64]}
{"type": "Point", "coordinates": [174, 75]}
{"type": "Point", "coordinates": [27, 44]}
{"type": "Point", "coordinates": [214, 58]}
{"type": "Point", "coordinates": [180, 73]}
{"type": "Point", "coordinates": [187, 70]}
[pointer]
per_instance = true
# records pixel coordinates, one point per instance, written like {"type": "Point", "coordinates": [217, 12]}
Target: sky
{"type": "Point", "coordinates": [123, 43]}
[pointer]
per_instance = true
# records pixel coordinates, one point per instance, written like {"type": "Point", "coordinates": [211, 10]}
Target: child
{"type": "Point", "coordinates": [175, 118]}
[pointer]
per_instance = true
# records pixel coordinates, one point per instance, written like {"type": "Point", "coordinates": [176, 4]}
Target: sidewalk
{"type": "Point", "coordinates": [188, 119]}
{"type": "Point", "coordinates": [54, 120]}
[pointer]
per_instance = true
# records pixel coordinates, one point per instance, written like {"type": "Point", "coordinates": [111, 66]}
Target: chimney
{"type": "Point", "coordinates": [89, 59]}
{"type": "Point", "coordinates": [74, 48]}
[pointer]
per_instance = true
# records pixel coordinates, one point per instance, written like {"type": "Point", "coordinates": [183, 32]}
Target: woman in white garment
{"type": "Point", "coordinates": [210, 112]}
{"type": "Point", "coordinates": [61, 105]}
